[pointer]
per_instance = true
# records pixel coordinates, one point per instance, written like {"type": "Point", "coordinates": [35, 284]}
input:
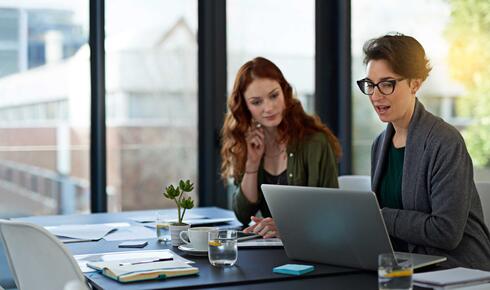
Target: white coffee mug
{"type": "Point", "coordinates": [197, 238]}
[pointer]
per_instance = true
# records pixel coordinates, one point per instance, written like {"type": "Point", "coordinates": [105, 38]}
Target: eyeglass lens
{"type": "Point", "coordinates": [385, 87]}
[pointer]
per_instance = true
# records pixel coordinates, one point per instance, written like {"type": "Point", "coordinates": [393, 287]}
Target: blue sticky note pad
{"type": "Point", "coordinates": [293, 269]}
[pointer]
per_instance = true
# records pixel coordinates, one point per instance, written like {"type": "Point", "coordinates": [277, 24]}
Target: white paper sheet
{"type": "Point", "coordinates": [131, 233]}
{"type": "Point", "coordinates": [90, 232]}
{"type": "Point", "coordinates": [259, 243]}
{"type": "Point", "coordinates": [170, 217]}
{"type": "Point", "coordinates": [451, 278]}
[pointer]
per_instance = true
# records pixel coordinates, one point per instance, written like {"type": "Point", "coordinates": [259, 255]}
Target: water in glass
{"type": "Point", "coordinates": [395, 280]}
{"type": "Point", "coordinates": [395, 272]}
{"type": "Point", "coordinates": [163, 232]}
{"type": "Point", "coordinates": [222, 248]}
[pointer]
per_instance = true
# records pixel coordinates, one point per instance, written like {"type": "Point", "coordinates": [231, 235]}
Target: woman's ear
{"type": "Point", "coordinates": [415, 85]}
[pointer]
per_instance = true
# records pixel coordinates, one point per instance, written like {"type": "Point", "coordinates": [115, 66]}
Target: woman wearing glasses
{"type": "Point", "coordinates": [420, 168]}
{"type": "Point", "coordinates": [268, 138]}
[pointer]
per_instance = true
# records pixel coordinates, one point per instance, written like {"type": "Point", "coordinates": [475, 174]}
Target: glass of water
{"type": "Point", "coordinates": [162, 226]}
{"type": "Point", "coordinates": [222, 248]}
{"type": "Point", "coordinates": [395, 271]}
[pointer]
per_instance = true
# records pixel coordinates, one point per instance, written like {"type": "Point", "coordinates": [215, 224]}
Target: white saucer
{"type": "Point", "coordinates": [191, 251]}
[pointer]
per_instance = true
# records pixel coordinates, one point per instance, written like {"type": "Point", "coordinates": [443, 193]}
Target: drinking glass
{"type": "Point", "coordinates": [395, 271]}
{"type": "Point", "coordinates": [162, 226]}
{"type": "Point", "coordinates": [222, 248]}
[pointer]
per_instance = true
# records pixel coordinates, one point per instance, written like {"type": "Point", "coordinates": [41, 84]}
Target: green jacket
{"type": "Point", "coordinates": [311, 162]}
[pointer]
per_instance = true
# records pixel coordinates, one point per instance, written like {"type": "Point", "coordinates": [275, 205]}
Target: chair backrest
{"type": "Point", "coordinates": [355, 182]}
{"type": "Point", "coordinates": [37, 260]}
{"type": "Point", "coordinates": [483, 188]}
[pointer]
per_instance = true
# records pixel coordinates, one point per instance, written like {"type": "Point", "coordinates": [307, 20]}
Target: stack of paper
{"type": "Point", "coordinates": [293, 269]}
{"type": "Point", "coordinates": [452, 278]}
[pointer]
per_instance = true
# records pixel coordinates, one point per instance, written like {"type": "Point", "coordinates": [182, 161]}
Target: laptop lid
{"type": "Point", "coordinates": [330, 225]}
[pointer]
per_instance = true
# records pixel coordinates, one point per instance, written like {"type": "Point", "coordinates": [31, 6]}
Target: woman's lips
{"type": "Point", "coordinates": [381, 109]}
{"type": "Point", "coordinates": [271, 117]}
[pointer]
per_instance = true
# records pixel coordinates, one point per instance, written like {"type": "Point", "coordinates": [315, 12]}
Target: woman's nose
{"type": "Point", "coordinates": [269, 105]}
{"type": "Point", "coordinates": [376, 94]}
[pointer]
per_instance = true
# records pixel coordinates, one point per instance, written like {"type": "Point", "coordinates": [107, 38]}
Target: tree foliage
{"type": "Point", "coordinates": [468, 33]}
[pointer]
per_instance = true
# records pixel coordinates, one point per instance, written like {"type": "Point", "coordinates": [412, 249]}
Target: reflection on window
{"type": "Point", "coordinates": [286, 37]}
{"type": "Point", "coordinates": [443, 28]}
{"type": "Point", "coordinates": [151, 81]}
{"type": "Point", "coordinates": [43, 151]}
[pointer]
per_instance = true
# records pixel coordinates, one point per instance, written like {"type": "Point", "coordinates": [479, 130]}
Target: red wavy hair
{"type": "Point", "coordinates": [295, 125]}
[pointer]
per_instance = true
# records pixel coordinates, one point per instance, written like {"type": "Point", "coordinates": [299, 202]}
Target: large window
{"type": "Point", "coordinates": [282, 31]}
{"type": "Point", "coordinates": [44, 77]}
{"type": "Point", "coordinates": [456, 37]}
{"type": "Point", "coordinates": [151, 97]}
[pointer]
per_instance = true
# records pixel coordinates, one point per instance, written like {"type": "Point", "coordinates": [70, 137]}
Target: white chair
{"type": "Point", "coordinates": [355, 182]}
{"type": "Point", "coordinates": [37, 259]}
{"type": "Point", "coordinates": [483, 188]}
{"type": "Point", "coordinates": [75, 285]}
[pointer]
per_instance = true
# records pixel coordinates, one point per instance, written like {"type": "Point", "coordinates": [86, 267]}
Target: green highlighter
{"type": "Point", "coordinates": [293, 269]}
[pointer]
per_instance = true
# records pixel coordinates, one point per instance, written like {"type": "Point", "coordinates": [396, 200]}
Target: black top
{"type": "Point", "coordinates": [281, 179]}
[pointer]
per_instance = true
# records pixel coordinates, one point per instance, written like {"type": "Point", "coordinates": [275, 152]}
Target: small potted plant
{"type": "Point", "coordinates": [177, 193]}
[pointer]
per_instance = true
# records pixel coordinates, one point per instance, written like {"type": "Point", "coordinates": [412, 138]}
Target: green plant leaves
{"type": "Point", "coordinates": [187, 203]}
{"type": "Point", "coordinates": [171, 192]}
{"type": "Point", "coordinates": [177, 194]}
{"type": "Point", "coordinates": [186, 186]}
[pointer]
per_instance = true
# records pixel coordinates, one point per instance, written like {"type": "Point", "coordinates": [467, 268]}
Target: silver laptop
{"type": "Point", "coordinates": [333, 226]}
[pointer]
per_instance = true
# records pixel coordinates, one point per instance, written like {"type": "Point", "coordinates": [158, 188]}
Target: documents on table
{"type": "Point", "coordinates": [195, 222]}
{"type": "Point", "coordinates": [451, 278]}
{"type": "Point", "coordinates": [131, 233]}
{"type": "Point", "coordinates": [127, 257]}
{"type": "Point", "coordinates": [260, 242]}
{"type": "Point", "coordinates": [88, 232]}
{"type": "Point", "coordinates": [170, 217]}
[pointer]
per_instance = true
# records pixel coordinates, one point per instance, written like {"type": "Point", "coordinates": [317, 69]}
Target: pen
{"type": "Point", "coordinates": [148, 261]}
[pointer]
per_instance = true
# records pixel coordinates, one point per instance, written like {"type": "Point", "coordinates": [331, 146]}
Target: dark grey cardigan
{"type": "Point", "coordinates": [442, 212]}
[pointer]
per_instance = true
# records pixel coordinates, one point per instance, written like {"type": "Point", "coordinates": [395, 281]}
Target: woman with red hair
{"type": "Point", "coordinates": [267, 138]}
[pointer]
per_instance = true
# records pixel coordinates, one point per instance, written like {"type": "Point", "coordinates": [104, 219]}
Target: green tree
{"type": "Point", "coordinates": [468, 33]}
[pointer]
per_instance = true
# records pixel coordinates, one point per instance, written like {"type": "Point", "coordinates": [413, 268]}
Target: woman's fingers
{"type": "Point", "coordinates": [258, 228]}
{"type": "Point", "coordinates": [271, 234]}
{"type": "Point", "coordinates": [249, 229]}
{"type": "Point", "coordinates": [256, 142]}
{"type": "Point", "coordinates": [265, 230]}
{"type": "Point", "coordinates": [260, 133]}
{"type": "Point", "coordinates": [256, 219]}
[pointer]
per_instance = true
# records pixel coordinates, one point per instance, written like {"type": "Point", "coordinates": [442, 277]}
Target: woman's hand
{"type": "Point", "coordinates": [255, 147]}
{"type": "Point", "coordinates": [266, 227]}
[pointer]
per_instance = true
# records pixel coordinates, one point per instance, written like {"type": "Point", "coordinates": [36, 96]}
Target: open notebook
{"type": "Point", "coordinates": [138, 271]}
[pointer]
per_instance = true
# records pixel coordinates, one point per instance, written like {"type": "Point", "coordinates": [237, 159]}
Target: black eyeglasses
{"type": "Point", "coordinates": [385, 87]}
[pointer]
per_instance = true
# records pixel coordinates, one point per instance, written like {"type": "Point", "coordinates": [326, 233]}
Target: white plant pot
{"type": "Point", "coordinates": [175, 233]}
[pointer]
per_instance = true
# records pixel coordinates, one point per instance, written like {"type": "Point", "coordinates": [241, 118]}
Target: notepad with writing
{"type": "Point", "coordinates": [451, 277]}
{"type": "Point", "coordinates": [293, 269]}
{"type": "Point", "coordinates": [130, 272]}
